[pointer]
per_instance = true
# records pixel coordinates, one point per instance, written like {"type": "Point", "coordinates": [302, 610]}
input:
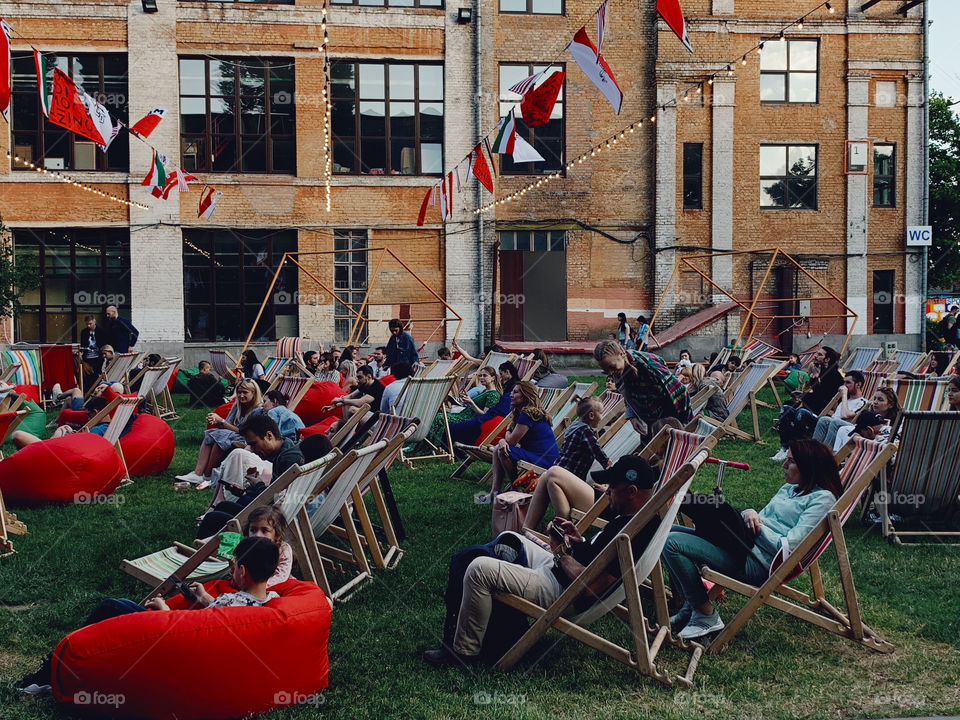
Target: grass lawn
{"type": "Point", "coordinates": [777, 667]}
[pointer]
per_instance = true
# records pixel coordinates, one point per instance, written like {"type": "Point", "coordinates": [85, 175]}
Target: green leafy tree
{"type": "Point", "coordinates": [944, 256]}
{"type": "Point", "coordinates": [16, 278]}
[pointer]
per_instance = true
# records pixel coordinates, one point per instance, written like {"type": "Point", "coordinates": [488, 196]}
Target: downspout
{"type": "Point", "coordinates": [479, 124]}
{"type": "Point", "coordinates": [925, 209]}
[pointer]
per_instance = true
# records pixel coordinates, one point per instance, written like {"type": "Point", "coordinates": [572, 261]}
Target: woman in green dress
{"type": "Point", "coordinates": [487, 398]}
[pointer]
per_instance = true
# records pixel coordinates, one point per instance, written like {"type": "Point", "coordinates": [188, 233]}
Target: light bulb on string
{"type": "Point", "coordinates": [829, 8]}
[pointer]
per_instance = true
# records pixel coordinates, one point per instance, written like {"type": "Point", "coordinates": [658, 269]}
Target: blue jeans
{"type": "Point", "coordinates": [685, 553]}
{"type": "Point", "coordinates": [795, 423]}
{"type": "Point", "coordinates": [112, 607]}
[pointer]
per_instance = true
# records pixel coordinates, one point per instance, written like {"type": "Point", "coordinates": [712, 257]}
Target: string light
{"type": "Point", "coordinates": [70, 181]}
{"type": "Point", "coordinates": [829, 8]}
{"type": "Point", "coordinates": [327, 108]}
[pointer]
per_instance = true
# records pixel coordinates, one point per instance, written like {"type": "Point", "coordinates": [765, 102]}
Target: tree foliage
{"type": "Point", "coordinates": [944, 256]}
{"type": "Point", "coordinates": [16, 278]}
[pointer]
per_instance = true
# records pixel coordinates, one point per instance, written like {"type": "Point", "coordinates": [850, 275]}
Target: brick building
{"type": "Point", "coordinates": [757, 159]}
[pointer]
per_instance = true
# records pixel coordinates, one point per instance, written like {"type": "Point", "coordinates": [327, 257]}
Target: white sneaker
{"type": "Point", "coordinates": [191, 477]}
{"type": "Point", "coordinates": [701, 625]}
{"type": "Point", "coordinates": [56, 390]}
{"type": "Point", "coordinates": [780, 456]}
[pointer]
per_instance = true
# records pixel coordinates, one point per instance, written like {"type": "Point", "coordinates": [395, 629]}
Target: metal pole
{"type": "Point", "coordinates": [926, 177]}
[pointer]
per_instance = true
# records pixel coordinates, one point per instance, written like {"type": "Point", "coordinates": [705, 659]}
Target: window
{"type": "Point", "coordinates": [226, 275]}
{"type": "Point", "coordinates": [883, 300]}
{"type": "Point", "coordinates": [884, 176]}
{"type": "Point", "coordinates": [788, 176]}
{"type": "Point", "coordinates": [81, 272]}
{"type": "Point", "coordinates": [349, 281]}
{"type": "Point", "coordinates": [885, 94]}
{"type": "Point", "coordinates": [534, 7]}
{"type": "Point", "coordinates": [548, 140]}
{"type": "Point", "coordinates": [692, 176]}
{"type": "Point", "coordinates": [535, 241]}
{"type": "Point", "coordinates": [392, 3]}
{"type": "Point", "coordinates": [387, 118]}
{"type": "Point", "coordinates": [264, 2]}
{"type": "Point", "coordinates": [237, 116]}
{"type": "Point", "coordinates": [104, 77]}
{"type": "Point", "coordinates": [788, 71]}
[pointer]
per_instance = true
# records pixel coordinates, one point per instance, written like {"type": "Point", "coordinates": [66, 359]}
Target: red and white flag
{"type": "Point", "coordinates": [76, 111]}
{"type": "Point", "coordinates": [427, 200]}
{"type": "Point", "coordinates": [156, 179]}
{"type": "Point", "coordinates": [148, 123]}
{"type": "Point", "coordinates": [524, 86]}
{"type": "Point", "coordinates": [506, 135]}
{"type": "Point", "coordinates": [672, 14]}
{"type": "Point", "coordinates": [443, 198]}
{"type": "Point", "coordinates": [208, 201]}
{"type": "Point", "coordinates": [595, 68]}
{"type": "Point", "coordinates": [601, 25]}
{"type": "Point", "coordinates": [480, 169]}
{"type": "Point", "coordinates": [179, 179]}
{"type": "Point", "coordinates": [6, 33]}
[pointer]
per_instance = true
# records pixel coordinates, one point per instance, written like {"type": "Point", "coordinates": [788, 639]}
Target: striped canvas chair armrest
{"type": "Point", "coordinates": [289, 347]}
{"type": "Point", "coordinates": [121, 416]}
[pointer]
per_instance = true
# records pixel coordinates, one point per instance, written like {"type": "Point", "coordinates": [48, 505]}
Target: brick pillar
{"type": "Point", "coordinates": [721, 193]}
{"type": "Point", "coordinates": [858, 102]}
{"type": "Point", "coordinates": [156, 255]}
{"type": "Point", "coordinates": [666, 195]}
{"type": "Point", "coordinates": [914, 201]}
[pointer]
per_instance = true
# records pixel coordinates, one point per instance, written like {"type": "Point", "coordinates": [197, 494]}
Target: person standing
{"type": "Point", "coordinates": [623, 329]}
{"type": "Point", "coordinates": [120, 332]}
{"type": "Point", "coordinates": [400, 347]}
{"type": "Point", "coordinates": [90, 349]}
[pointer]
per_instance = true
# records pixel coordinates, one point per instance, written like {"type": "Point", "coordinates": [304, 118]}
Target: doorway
{"type": "Point", "coordinates": [532, 302]}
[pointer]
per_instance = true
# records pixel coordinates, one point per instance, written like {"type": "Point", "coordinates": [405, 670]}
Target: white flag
{"type": "Point", "coordinates": [524, 152]}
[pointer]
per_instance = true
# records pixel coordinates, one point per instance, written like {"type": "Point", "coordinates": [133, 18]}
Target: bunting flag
{"type": "Point", "coordinates": [595, 68]}
{"type": "Point", "coordinates": [156, 179]}
{"type": "Point", "coordinates": [480, 169]}
{"type": "Point", "coordinates": [43, 86]}
{"type": "Point", "coordinates": [6, 34]}
{"type": "Point", "coordinates": [601, 25]}
{"type": "Point", "coordinates": [538, 104]}
{"type": "Point", "coordinates": [78, 112]}
{"type": "Point", "coordinates": [208, 201]}
{"type": "Point", "coordinates": [101, 119]}
{"type": "Point", "coordinates": [506, 134]}
{"type": "Point", "coordinates": [148, 123]}
{"type": "Point", "coordinates": [671, 13]}
{"type": "Point", "coordinates": [524, 86]}
{"type": "Point", "coordinates": [427, 200]}
{"type": "Point", "coordinates": [443, 198]}
{"type": "Point", "coordinates": [456, 171]}
{"type": "Point", "coordinates": [524, 152]}
{"type": "Point", "coordinates": [177, 179]}
{"type": "Point", "coordinates": [493, 165]}
{"type": "Point", "coordinates": [450, 192]}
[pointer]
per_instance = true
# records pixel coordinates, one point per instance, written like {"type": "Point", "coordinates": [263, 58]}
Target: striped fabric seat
{"type": "Point", "coordinates": [29, 372]}
{"type": "Point", "coordinates": [224, 365]}
{"type": "Point", "coordinates": [387, 427]}
{"type": "Point", "coordinates": [548, 396]}
{"type": "Point", "coordinates": [907, 360]}
{"type": "Point", "coordinates": [294, 387]}
{"type": "Point", "coordinates": [882, 366]}
{"type": "Point", "coordinates": [806, 357]}
{"type": "Point", "coordinates": [680, 448]}
{"type": "Point", "coordinates": [346, 481]}
{"type": "Point", "coordinates": [861, 357]}
{"type": "Point", "coordinates": [422, 398]}
{"type": "Point", "coordinates": [927, 470]}
{"type": "Point", "coordinates": [920, 394]}
{"type": "Point", "coordinates": [125, 409]}
{"type": "Point", "coordinates": [872, 381]}
{"type": "Point", "coordinates": [273, 366]}
{"type": "Point", "coordinates": [150, 380]}
{"type": "Point", "coordinates": [120, 367]}
{"type": "Point", "coordinates": [757, 349]}
{"type": "Point", "coordinates": [166, 562]}
{"type": "Point", "coordinates": [440, 368]}
{"type": "Point", "coordinates": [580, 390]}
{"type": "Point", "coordinates": [289, 347]}
{"type": "Point", "coordinates": [608, 399]}
{"type": "Point", "coordinates": [526, 367]}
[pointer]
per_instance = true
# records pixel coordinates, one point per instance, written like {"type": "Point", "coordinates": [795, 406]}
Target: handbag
{"type": "Point", "coordinates": [526, 483]}
{"type": "Point", "coordinates": [509, 511]}
{"type": "Point", "coordinates": [719, 523]}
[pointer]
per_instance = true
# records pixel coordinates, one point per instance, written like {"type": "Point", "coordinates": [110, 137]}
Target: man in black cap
{"type": "Point", "coordinates": [524, 568]}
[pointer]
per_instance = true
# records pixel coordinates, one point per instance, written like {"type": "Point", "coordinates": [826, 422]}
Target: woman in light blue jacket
{"type": "Point", "coordinates": [743, 545]}
{"type": "Point", "coordinates": [275, 405]}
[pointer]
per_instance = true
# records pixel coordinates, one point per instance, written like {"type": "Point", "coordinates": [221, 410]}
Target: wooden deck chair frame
{"type": "Point", "coordinates": [298, 386]}
{"type": "Point", "coordinates": [226, 370]}
{"type": "Point", "coordinates": [12, 400]}
{"type": "Point", "coordinates": [8, 372]}
{"type": "Point", "coordinates": [148, 378]}
{"type": "Point", "coordinates": [410, 404]}
{"type": "Point", "coordinates": [699, 399]}
{"type": "Point", "coordinates": [441, 368]}
{"type": "Point", "coordinates": [346, 430]}
{"type": "Point", "coordinates": [860, 357]}
{"type": "Point", "coordinates": [526, 371]}
{"type": "Point", "coordinates": [9, 525]}
{"type": "Point", "coordinates": [117, 370]}
{"type": "Point", "coordinates": [815, 608]}
{"type": "Point", "coordinates": [194, 557]}
{"type": "Point", "coordinates": [948, 370]}
{"type": "Point", "coordinates": [740, 395]}
{"type": "Point", "coordinates": [8, 423]}
{"type": "Point", "coordinates": [642, 656]}
{"type": "Point", "coordinates": [122, 409]}
{"type": "Point", "coordinates": [909, 361]}
{"type": "Point", "coordinates": [479, 452]}
{"type": "Point", "coordinates": [563, 413]}
{"type": "Point", "coordinates": [928, 455]}
{"type": "Point", "coordinates": [160, 398]}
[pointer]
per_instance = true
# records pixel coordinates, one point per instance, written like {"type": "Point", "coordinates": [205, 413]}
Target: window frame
{"type": "Point", "coordinates": [119, 146]}
{"type": "Point", "coordinates": [351, 236]}
{"type": "Point", "coordinates": [529, 9]}
{"type": "Point", "coordinates": [816, 155]}
{"type": "Point", "coordinates": [108, 294]}
{"type": "Point", "coordinates": [688, 176]}
{"type": "Point", "coordinates": [507, 166]}
{"type": "Point", "coordinates": [786, 73]}
{"type": "Point", "coordinates": [892, 177]}
{"type": "Point", "coordinates": [238, 135]}
{"type": "Point", "coordinates": [246, 308]}
{"type": "Point", "coordinates": [891, 305]}
{"type": "Point", "coordinates": [508, 240]}
{"type": "Point", "coordinates": [358, 137]}
{"type": "Point", "coordinates": [411, 5]}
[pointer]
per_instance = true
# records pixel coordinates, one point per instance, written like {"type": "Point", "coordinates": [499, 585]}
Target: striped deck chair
{"type": "Point", "coordinates": [160, 398]}
{"type": "Point", "coordinates": [441, 368]}
{"type": "Point", "coordinates": [29, 372]}
{"type": "Point", "coordinates": [9, 525]}
{"type": "Point", "coordinates": [863, 460]}
{"type": "Point", "coordinates": [293, 386]}
{"type": "Point", "coordinates": [909, 361]}
{"type": "Point", "coordinates": [8, 423]}
{"type": "Point", "coordinates": [179, 563]}
{"type": "Point", "coordinates": [225, 365]}
{"type": "Point", "coordinates": [563, 415]}
{"type": "Point", "coordinates": [526, 367]}
{"type": "Point", "coordinates": [273, 366]}
{"type": "Point", "coordinates": [756, 350]}
{"type": "Point", "coordinates": [290, 348]}
{"type": "Point", "coordinates": [871, 381]}
{"type": "Point", "coordinates": [742, 393]}
{"type": "Point", "coordinates": [423, 398]}
{"type": "Point", "coordinates": [698, 402]}
{"type": "Point", "coordinates": [921, 393]}
{"type": "Point", "coordinates": [345, 432]}
{"type": "Point", "coordinates": [806, 357]}
{"type": "Point", "coordinates": [925, 480]}
{"type": "Point", "coordinates": [117, 414]}
{"type": "Point", "coordinates": [551, 398]}
{"type": "Point", "coordinates": [148, 378]}
{"type": "Point", "coordinates": [622, 599]}
{"type": "Point", "coordinates": [882, 366]}
{"type": "Point", "coordinates": [860, 357]}
{"type": "Point", "coordinates": [612, 407]}
{"type": "Point", "coordinates": [494, 360]}
{"type": "Point", "coordinates": [118, 370]}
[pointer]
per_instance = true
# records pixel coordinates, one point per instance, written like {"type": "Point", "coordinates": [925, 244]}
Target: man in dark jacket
{"type": "Point", "coordinates": [400, 347]}
{"type": "Point", "coordinates": [121, 333]}
{"type": "Point", "coordinates": [204, 388]}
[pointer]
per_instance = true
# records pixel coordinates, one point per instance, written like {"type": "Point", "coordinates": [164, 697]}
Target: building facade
{"type": "Point", "coordinates": [750, 159]}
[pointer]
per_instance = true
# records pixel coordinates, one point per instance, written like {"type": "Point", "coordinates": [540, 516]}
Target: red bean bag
{"type": "Point", "coordinates": [72, 468]}
{"type": "Point", "coordinates": [386, 380]}
{"type": "Point", "coordinates": [320, 394]}
{"type": "Point", "coordinates": [193, 664]}
{"type": "Point", "coordinates": [75, 417]}
{"type": "Point", "coordinates": [31, 391]}
{"type": "Point", "coordinates": [320, 428]}
{"type": "Point", "coordinates": [148, 447]}
{"type": "Point", "coordinates": [488, 427]}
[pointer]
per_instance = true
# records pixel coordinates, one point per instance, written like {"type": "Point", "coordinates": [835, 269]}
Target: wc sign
{"type": "Point", "coordinates": [919, 236]}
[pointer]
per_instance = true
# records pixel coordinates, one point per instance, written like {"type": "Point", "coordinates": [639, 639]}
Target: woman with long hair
{"type": "Point", "coordinates": [886, 404]}
{"type": "Point", "coordinates": [743, 545]}
{"type": "Point", "coordinates": [472, 407]}
{"type": "Point", "coordinates": [468, 431]}
{"type": "Point", "coordinates": [251, 365]}
{"type": "Point", "coordinates": [529, 437]}
{"type": "Point", "coordinates": [623, 329]}
{"type": "Point", "coordinates": [348, 368]}
{"type": "Point", "coordinates": [953, 393]}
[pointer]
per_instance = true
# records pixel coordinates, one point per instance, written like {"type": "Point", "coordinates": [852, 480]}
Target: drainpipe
{"type": "Point", "coordinates": [925, 205]}
{"type": "Point", "coordinates": [478, 130]}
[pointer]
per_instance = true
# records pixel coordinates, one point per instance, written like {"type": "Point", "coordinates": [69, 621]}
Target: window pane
{"type": "Point", "coordinates": [192, 80]}
{"type": "Point", "coordinates": [401, 119]}
{"type": "Point", "coordinates": [344, 157]}
{"type": "Point", "coordinates": [431, 158]}
{"type": "Point", "coordinates": [224, 153]}
{"type": "Point", "coordinates": [802, 192]}
{"type": "Point", "coordinates": [557, 241]}
{"type": "Point", "coordinates": [343, 119]}
{"type": "Point", "coordinates": [372, 121]}
{"type": "Point", "coordinates": [773, 87]}
{"type": "Point", "coordinates": [222, 75]}
{"type": "Point", "coordinates": [510, 75]}
{"type": "Point", "coordinates": [883, 159]}
{"type": "Point", "coordinates": [692, 158]}
{"type": "Point", "coordinates": [401, 82]}
{"type": "Point", "coordinates": [552, 7]}
{"type": "Point", "coordinates": [431, 121]}
{"type": "Point", "coordinates": [771, 193]}
{"type": "Point", "coordinates": [513, 5]}
{"type": "Point", "coordinates": [403, 157]}
{"type": "Point", "coordinates": [802, 159]}
{"type": "Point", "coordinates": [803, 54]}
{"type": "Point", "coordinates": [540, 243]}
{"type": "Point", "coordinates": [774, 55]}
{"type": "Point", "coordinates": [373, 156]}
{"type": "Point", "coordinates": [773, 160]}
{"type": "Point", "coordinates": [431, 82]}
{"type": "Point", "coordinates": [803, 87]}
{"type": "Point", "coordinates": [371, 81]}
{"type": "Point", "coordinates": [342, 80]}
{"type": "Point", "coordinates": [284, 156]}
{"type": "Point", "coordinates": [523, 240]}
{"type": "Point", "coordinates": [193, 114]}
{"type": "Point", "coordinates": [254, 154]}
{"type": "Point", "coordinates": [252, 81]}
{"type": "Point", "coordinates": [882, 192]}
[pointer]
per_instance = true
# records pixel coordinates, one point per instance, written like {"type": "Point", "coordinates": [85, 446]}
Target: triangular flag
{"type": "Point", "coordinates": [538, 104]}
{"type": "Point", "coordinates": [456, 171]}
{"type": "Point", "coordinates": [6, 33]}
{"type": "Point", "coordinates": [43, 85]}
{"type": "Point", "coordinates": [595, 68]}
{"type": "Point", "coordinates": [148, 123]}
{"type": "Point", "coordinates": [427, 200]}
{"type": "Point", "coordinates": [524, 152]}
{"type": "Point", "coordinates": [178, 179]}
{"type": "Point", "coordinates": [672, 14]}
{"type": "Point", "coordinates": [78, 112]}
{"type": "Point", "coordinates": [480, 168]}
{"type": "Point", "coordinates": [506, 134]}
{"type": "Point", "coordinates": [443, 199]}
{"type": "Point", "coordinates": [450, 192]}
{"type": "Point", "coordinates": [101, 120]}
{"type": "Point", "coordinates": [523, 87]}
{"type": "Point", "coordinates": [156, 178]}
{"type": "Point", "coordinates": [208, 201]}
{"type": "Point", "coordinates": [601, 25]}
{"type": "Point", "coordinates": [493, 165]}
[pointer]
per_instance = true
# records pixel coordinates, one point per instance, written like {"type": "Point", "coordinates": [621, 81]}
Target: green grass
{"type": "Point", "coordinates": [777, 667]}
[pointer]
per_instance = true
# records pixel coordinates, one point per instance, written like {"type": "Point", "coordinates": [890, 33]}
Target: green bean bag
{"type": "Point", "coordinates": [35, 422]}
